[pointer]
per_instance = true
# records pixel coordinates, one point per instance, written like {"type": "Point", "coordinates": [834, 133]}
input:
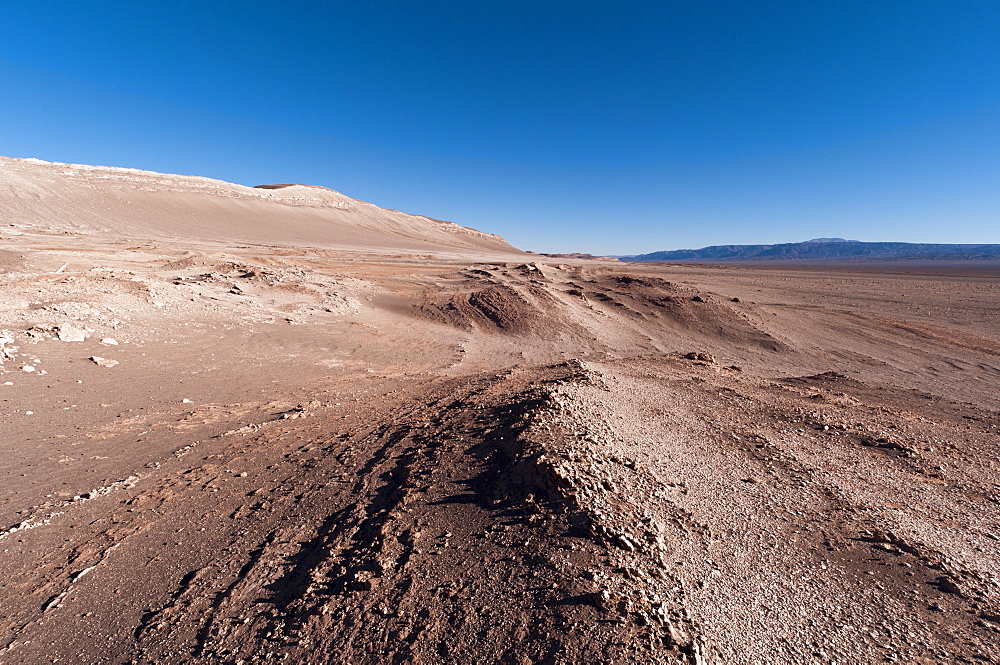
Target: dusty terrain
{"type": "Point", "coordinates": [282, 425]}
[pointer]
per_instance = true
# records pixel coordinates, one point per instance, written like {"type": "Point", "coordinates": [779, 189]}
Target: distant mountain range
{"type": "Point", "coordinates": [826, 248]}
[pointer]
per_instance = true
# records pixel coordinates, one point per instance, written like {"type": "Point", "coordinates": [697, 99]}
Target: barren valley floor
{"type": "Point", "coordinates": [242, 454]}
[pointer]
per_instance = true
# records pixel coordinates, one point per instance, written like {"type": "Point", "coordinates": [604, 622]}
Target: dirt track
{"type": "Point", "coordinates": [314, 454]}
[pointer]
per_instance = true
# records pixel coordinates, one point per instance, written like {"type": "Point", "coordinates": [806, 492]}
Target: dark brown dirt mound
{"type": "Point", "coordinates": [504, 307]}
{"type": "Point", "coordinates": [558, 304]}
{"type": "Point", "coordinates": [443, 534]}
{"type": "Point", "coordinates": [663, 305]}
{"type": "Point", "coordinates": [497, 308]}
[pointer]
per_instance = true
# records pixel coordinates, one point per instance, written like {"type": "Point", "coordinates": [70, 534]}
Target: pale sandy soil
{"type": "Point", "coordinates": [341, 434]}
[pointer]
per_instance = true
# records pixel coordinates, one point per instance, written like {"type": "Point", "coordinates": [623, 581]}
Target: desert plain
{"type": "Point", "coordinates": [248, 425]}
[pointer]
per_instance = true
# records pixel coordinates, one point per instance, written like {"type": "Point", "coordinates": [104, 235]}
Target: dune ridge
{"type": "Point", "coordinates": [76, 198]}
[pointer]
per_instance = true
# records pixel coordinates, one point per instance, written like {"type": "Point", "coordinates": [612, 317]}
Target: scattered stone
{"type": "Point", "coordinates": [39, 332]}
{"type": "Point", "coordinates": [28, 368]}
{"type": "Point", "coordinates": [103, 362]}
{"type": "Point", "coordinates": [110, 341]}
{"type": "Point", "coordinates": [77, 575]}
{"type": "Point", "coordinates": [54, 601]}
{"type": "Point", "coordinates": [71, 333]}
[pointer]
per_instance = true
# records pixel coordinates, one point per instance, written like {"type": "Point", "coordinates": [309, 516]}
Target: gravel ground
{"type": "Point", "coordinates": [307, 452]}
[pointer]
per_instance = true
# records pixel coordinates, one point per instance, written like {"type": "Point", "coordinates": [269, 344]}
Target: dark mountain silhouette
{"type": "Point", "coordinates": [826, 248]}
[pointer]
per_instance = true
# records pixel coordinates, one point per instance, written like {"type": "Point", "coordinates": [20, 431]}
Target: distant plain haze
{"type": "Point", "coordinates": [611, 128]}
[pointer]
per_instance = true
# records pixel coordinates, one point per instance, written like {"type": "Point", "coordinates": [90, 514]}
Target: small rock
{"type": "Point", "coordinates": [80, 573]}
{"type": "Point", "coordinates": [186, 401]}
{"type": "Point", "coordinates": [54, 601]}
{"type": "Point", "coordinates": [71, 333]}
{"type": "Point", "coordinates": [28, 368]}
{"type": "Point", "coordinates": [103, 362]}
{"type": "Point", "coordinates": [110, 340]}
{"type": "Point", "coordinates": [39, 332]}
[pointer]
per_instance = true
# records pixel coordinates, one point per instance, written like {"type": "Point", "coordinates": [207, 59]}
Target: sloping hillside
{"type": "Point", "coordinates": [129, 203]}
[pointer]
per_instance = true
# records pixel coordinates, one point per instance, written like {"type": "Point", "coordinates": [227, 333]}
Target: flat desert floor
{"type": "Point", "coordinates": [247, 452]}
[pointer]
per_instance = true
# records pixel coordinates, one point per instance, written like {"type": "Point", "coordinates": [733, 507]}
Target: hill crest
{"type": "Point", "coordinates": [84, 199]}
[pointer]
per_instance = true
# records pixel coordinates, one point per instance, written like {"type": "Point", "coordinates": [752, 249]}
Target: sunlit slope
{"type": "Point", "coordinates": [96, 200]}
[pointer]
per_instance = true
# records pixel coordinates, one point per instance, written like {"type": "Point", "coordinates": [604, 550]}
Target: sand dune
{"type": "Point", "coordinates": [279, 425]}
{"type": "Point", "coordinates": [133, 204]}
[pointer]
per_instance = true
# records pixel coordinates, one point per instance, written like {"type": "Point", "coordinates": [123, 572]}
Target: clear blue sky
{"type": "Point", "coordinates": [611, 127]}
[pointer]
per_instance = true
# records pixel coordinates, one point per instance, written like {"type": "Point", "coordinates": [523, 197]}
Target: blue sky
{"type": "Point", "coordinates": [565, 126]}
